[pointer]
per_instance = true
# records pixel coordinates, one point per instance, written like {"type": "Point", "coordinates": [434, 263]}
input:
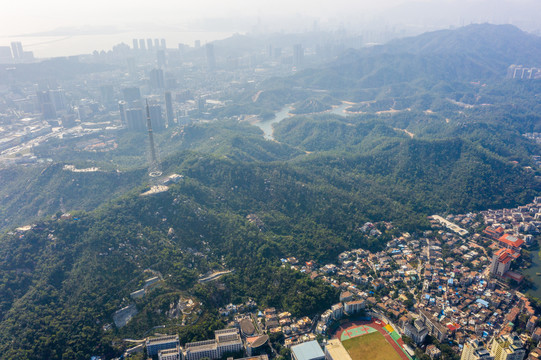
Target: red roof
{"type": "Point", "coordinates": [511, 240]}
{"type": "Point", "coordinates": [493, 233]}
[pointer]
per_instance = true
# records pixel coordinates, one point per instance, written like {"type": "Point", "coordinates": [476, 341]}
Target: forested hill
{"type": "Point", "coordinates": [407, 149]}
{"type": "Point", "coordinates": [471, 53]}
{"type": "Point", "coordinates": [62, 281]}
{"type": "Point", "coordinates": [402, 68]}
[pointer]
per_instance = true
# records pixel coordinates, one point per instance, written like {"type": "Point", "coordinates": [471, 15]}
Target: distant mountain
{"type": "Point", "coordinates": [437, 14]}
{"type": "Point", "coordinates": [471, 53]}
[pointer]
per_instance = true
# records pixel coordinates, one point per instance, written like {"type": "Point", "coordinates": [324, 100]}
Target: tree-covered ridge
{"type": "Point", "coordinates": [423, 142]}
{"type": "Point", "coordinates": [72, 274]}
{"type": "Point", "coordinates": [76, 271]}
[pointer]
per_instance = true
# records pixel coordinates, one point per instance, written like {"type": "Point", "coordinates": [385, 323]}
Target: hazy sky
{"type": "Point", "coordinates": [24, 16]}
{"type": "Point", "coordinates": [19, 17]}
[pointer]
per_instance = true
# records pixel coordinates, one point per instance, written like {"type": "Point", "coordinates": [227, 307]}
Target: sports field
{"type": "Point", "coordinates": [371, 346]}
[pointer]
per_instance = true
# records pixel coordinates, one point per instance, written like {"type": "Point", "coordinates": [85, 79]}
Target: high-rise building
{"type": "Point", "coordinates": [46, 105]}
{"type": "Point", "coordinates": [149, 44]}
{"type": "Point", "coordinates": [135, 44]}
{"type": "Point", "coordinates": [156, 117]}
{"type": "Point", "coordinates": [154, 166]}
{"type": "Point", "coordinates": [154, 345]}
{"type": "Point", "coordinates": [197, 44]}
{"type": "Point", "coordinates": [58, 98]}
{"type": "Point", "coordinates": [142, 44]}
{"type": "Point", "coordinates": [169, 108]}
{"type": "Point", "coordinates": [17, 50]}
{"type": "Point", "coordinates": [474, 351]}
{"type": "Point", "coordinates": [298, 55]}
{"type": "Point", "coordinates": [163, 44]}
{"type": "Point", "coordinates": [156, 79]}
{"type": "Point", "coordinates": [211, 60]}
{"type": "Point", "coordinates": [122, 110]}
{"type": "Point", "coordinates": [135, 119]}
{"type": "Point", "coordinates": [169, 354]}
{"type": "Point", "coordinates": [501, 261]}
{"type": "Point", "coordinates": [225, 341]}
{"type": "Point", "coordinates": [156, 43]}
{"type": "Point", "coordinates": [201, 105]}
{"type": "Point", "coordinates": [107, 94]}
{"type": "Point", "coordinates": [507, 347]}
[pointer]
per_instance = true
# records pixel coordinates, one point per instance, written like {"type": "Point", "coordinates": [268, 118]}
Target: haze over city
{"type": "Point", "coordinates": [270, 180]}
{"type": "Point", "coordinates": [61, 27]}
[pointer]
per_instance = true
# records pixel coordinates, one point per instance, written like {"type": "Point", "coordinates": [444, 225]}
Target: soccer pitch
{"type": "Point", "coordinates": [371, 346]}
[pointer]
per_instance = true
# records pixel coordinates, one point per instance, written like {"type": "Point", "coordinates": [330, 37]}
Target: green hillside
{"type": "Point", "coordinates": [427, 133]}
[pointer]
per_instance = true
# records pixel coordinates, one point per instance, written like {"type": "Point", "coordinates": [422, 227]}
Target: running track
{"type": "Point", "coordinates": [379, 328]}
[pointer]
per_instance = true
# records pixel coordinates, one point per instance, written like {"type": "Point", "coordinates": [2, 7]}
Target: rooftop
{"type": "Point", "coordinates": [336, 350]}
{"type": "Point", "coordinates": [308, 351]}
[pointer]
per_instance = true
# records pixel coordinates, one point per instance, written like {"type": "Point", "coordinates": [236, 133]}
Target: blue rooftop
{"type": "Point", "coordinates": [482, 302]}
{"type": "Point", "coordinates": [308, 351]}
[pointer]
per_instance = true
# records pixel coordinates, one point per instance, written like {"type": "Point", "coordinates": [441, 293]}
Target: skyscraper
{"type": "Point", "coordinates": [211, 60]}
{"type": "Point", "coordinates": [156, 79]}
{"type": "Point", "coordinates": [474, 351]}
{"type": "Point", "coordinates": [169, 108]}
{"type": "Point", "coordinates": [156, 44]}
{"type": "Point", "coordinates": [156, 117]}
{"type": "Point", "coordinates": [122, 110]}
{"type": "Point", "coordinates": [135, 119]}
{"type": "Point", "coordinates": [149, 44]}
{"type": "Point", "coordinates": [201, 105]}
{"type": "Point", "coordinates": [142, 44]}
{"type": "Point", "coordinates": [107, 94]}
{"type": "Point", "coordinates": [507, 347]}
{"type": "Point", "coordinates": [46, 105]}
{"type": "Point", "coordinates": [58, 99]}
{"type": "Point", "coordinates": [298, 55]}
{"type": "Point", "coordinates": [135, 44]}
{"type": "Point", "coordinates": [17, 50]}
{"type": "Point", "coordinates": [154, 166]}
{"type": "Point", "coordinates": [163, 44]}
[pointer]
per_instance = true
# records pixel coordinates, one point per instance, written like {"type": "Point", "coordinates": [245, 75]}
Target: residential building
{"type": "Point", "coordinates": [154, 345]}
{"type": "Point", "coordinates": [501, 261]}
{"type": "Point", "coordinates": [417, 331]}
{"type": "Point", "coordinates": [337, 311]}
{"type": "Point", "coordinates": [169, 354]}
{"type": "Point", "coordinates": [433, 351]}
{"type": "Point", "coordinates": [352, 307]}
{"type": "Point", "coordinates": [225, 341]}
{"type": "Point", "coordinates": [474, 351]}
{"type": "Point", "coordinates": [507, 347]}
{"type": "Point", "coordinates": [435, 328]}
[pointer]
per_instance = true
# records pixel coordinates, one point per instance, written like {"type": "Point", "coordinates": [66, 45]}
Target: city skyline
{"type": "Point", "coordinates": [59, 19]}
